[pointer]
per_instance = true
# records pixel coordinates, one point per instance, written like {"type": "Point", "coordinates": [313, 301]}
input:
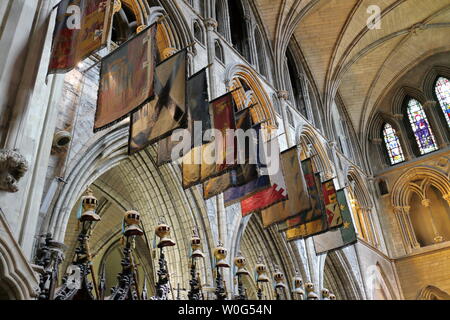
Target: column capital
{"type": "Point", "coordinates": [426, 203]}
{"type": "Point", "coordinates": [447, 197]}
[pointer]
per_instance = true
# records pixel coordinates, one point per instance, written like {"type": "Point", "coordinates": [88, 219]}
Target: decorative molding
{"type": "Point", "coordinates": [12, 168]}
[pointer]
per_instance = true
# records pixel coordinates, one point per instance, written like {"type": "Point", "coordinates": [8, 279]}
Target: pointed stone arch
{"type": "Point", "coordinates": [306, 136]}
{"type": "Point", "coordinates": [263, 108]}
{"type": "Point", "coordinates": [432, 293]}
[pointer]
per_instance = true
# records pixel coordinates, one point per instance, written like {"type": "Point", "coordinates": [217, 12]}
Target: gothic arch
{"type": "Point", "coordinates": [95, 162]}
{"type": "Point", "coordinates": [17, 280]}
{"type": "Point", "coordinates": [307, 138]}
{"type": "Point", "coordinates": [338, 277]}
{"type": "Point", "coordinates": [402, 189]}
{"type": "Point", "coordinates": [263, 108]}
{"type": "Point", "coordinates": [360, 188]}
{"type": "Point", "coordinates": [432, 293]}
{"type": "Point", "coordinates": [272, 246]}
{"type": "Point", "coordinates": [429, 80]}
{"type": "Point", "coordinates": [400, 97]}
{"type": "Point", "coordinates": [378, 284]}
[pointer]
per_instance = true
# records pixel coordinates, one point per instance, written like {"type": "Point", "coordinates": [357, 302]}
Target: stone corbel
{"type": "Point", "coordinates": [211, 24]}
{"type": "Point", "coordinates": [283, 94]}
{"type": "Point", "coordinates": [12, 168]}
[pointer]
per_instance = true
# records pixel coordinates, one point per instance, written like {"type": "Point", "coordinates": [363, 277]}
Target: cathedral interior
{"type": "Point", "coordinates": [360, 86]}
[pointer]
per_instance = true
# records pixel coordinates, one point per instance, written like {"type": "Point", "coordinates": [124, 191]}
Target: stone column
{"type": "Point", "coordinates": [431, 110]}
{"type": "Point", "coordinates": [283, 96]}
{"type": "Point", "coordinates": [380, 159]}
{"type": "Point", "coordinates": [251, 41]}
{"type": "Point", "coordinates": [403, 138]}
{"type": "Point", "coordinates": [412, 235]}
{"type": "Point", "coordinates": [437, 238]}
{"type": "Point", "coordinates": [211, 26]}
{"type": "Point", "coordinates": [398, 213]}
{"type": "Point", "coordinates": [304, 82]}
{"type": "Point", "coordinates": [368, 215]}
{"type": "Point", "coordinates": [28, 104]}
{"type": "Point", "coordinates": [406, 228]}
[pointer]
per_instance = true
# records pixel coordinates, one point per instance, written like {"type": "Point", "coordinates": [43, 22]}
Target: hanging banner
{"type": "Point", "coordinates": [240, 193]}
{"type": "Point", "coordinates": [316, 212]}
{"type": "Point", "coordinates": [331, 217]}
{"type": "Point", "coordinates": [218, 185]}
{"type": "Point", "coordinates": [332, 207]}
{"type": "Point", "coordinates": [249, 182]}
{"type": "Point", "coordinates": [167, 112]}
{"type": "Point", "coordinates": [126, 79]}
{"type": "Point", "coordinates": [82, 27]}
{"type": "Point", "coordinates": [341, 237]}
{"type": "Point", "coordinates": [277, 191]}
{"type": "Point", "coordinates": [223, 146]}
{"type": "Point", "coordinates": [190, 168]}
{"type": "Point", "coordinates": [198, 116]}
{"type": "Point", "coordinates": [298, 199]}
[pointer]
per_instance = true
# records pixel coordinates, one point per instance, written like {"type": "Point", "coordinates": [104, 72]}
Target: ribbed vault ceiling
{"type": "Point", "coordinates": [345, 56]}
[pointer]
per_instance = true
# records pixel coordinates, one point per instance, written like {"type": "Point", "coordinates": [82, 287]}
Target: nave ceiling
{"type": "Point", "coordinates": [344, 56]}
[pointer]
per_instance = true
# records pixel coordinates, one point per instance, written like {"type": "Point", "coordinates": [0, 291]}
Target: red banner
{"type": "Point", "coordinates": [262, 200]}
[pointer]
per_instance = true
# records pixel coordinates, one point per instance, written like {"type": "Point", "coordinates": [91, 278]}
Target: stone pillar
{"type": "Point", "coordinates": [379, 158]}
{"type": "Point", "coordinates": [28, 104]}
{"type": "Point", "coordinates": [373, 235]}
{"type": "Point", "coordinates": [251, 41]}
{"type": "Point", "coordinates": [437, 237]}
{"type": "Point", "coordinates": [304, 82]}
{"type": "Point", "coordinates": [211, 26]}
{"type": "Point", "coordinates": [403, 138]}
{"type": "Point", "coordinates": [431, 109]}
{"type": "Point", "coordinates": [414, 243]}
{"type": "Point", "coordinates": [283, 96]}
{"type": "Point", "coordinates": [406, 228]}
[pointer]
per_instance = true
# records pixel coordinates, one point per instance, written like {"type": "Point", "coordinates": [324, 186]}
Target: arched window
{"type": "Point", "coordinates": [442, 89]}
{"type": "Point", "coordinates": [219, 51]}
{"type": "Point", "coordinates": [239, 34]}
{"type": "Point", "coordinates": [421, 127]}
{"type": "Point", "coordinates": [198, 33]}
{"type": "Point", "coordinates": [295, 85]}
{"type": "Point", "coordinates": [393, 146]}
{"type": "Point", "coordinates": [221, 17]}
{"type": "Point", "coordinates": [261, 52]}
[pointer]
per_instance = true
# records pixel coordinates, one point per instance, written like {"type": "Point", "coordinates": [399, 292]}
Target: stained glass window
{"type": "Point", "coordinates": [421, 128]}
{"type": "Point", "coordinates": [393, 145]}
{"type": "Point", "coordinates": [443, 94]}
